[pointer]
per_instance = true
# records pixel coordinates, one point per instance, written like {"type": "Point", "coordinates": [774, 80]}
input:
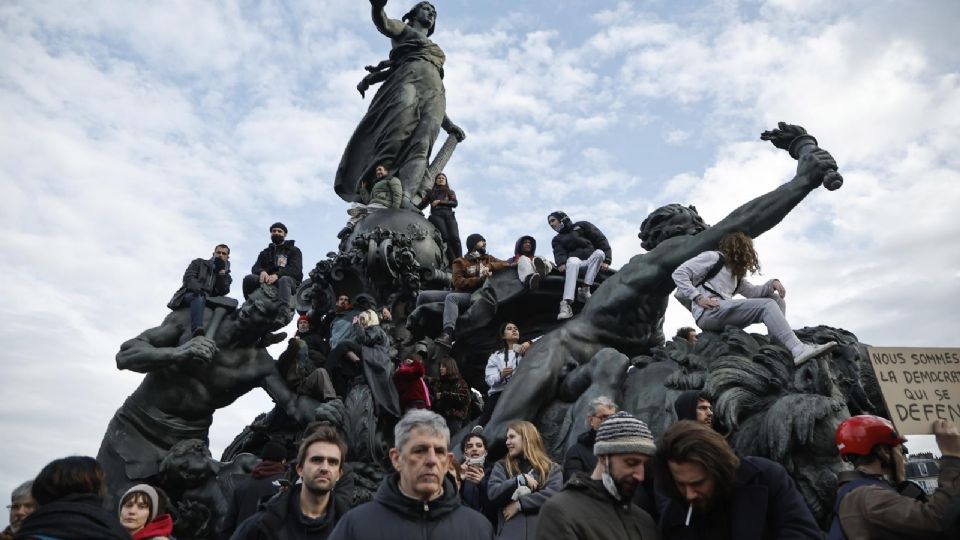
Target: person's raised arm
{"type": "Point", "coordinates": [391, 28]}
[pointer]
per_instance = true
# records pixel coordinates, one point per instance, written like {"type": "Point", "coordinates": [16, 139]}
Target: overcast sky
{"type": "Point", "coordinates": [137, 135]}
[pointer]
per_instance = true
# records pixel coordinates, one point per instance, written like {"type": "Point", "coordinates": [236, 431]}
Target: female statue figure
{"type": "Point", "coordinates": [406, 113]}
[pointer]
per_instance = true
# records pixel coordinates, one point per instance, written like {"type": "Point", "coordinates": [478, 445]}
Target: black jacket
{"type": "Point", "coordinates": [252, 491]}
{"type": "Point", "coordinates": [74, 517]}
{"type": "Point", "coordinates": [584, 509]}
{"type": "Point", "coordinates": [765, 505]}
{"type": "Point", "coordinates": [475, 496]}
{"type": "Point", "coordinates": [580, 240]}
{"type": "Point", "coordinates": [579, 457]}
{"type": "Point", "coordinates": [281, 519]}
{"type": "Point", "coordinates": [270, 258]}
{"type": "Point", "coordinates": [392, 515]}
{"type": "Point", "coordinates": [201, 277]}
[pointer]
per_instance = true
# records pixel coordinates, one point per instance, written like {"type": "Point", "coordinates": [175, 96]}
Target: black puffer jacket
{"type": "Point", "coordinates": [392, 515]}
{"type": "Point", "coordinates": [74, 517]}
{"type": "Point", "coordinates": [579, 457]}
{"type": "Point", "coordinates": [580, 240]}
{"type": "Point", "coordinates": [281, 519]}
{"type": "Point", "coordinates": [270, 258]}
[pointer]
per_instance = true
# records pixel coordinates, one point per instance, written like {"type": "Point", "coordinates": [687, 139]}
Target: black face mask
{"type": "Point", "coordinates": [276, 238]}
{"type": "Point", "coordinates": [219, 263]}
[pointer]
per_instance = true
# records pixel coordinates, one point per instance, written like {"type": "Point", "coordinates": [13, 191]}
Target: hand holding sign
{"type": "Point", "coordinates": [948, 437]}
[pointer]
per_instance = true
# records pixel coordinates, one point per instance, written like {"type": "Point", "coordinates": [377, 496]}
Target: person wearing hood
{"type": "Point", "coordinates": [418, 500]}
{"type": "Point", "coordinates": [203, 278]}
{"type": "Point", "coordinates": [281, 262]}
{"type": "Point", "coordinates": [143, 512]}
{"type": "Point", "coordinates": [442, 200]}
{"type": "Point", "coordinates": [262, 484]}
{"type": "Point", "coordinates": [598, 505]}
{"type": "Point", "coordinates": [578, 248]}
{"type": "Point", "coordinates": [69, 492]}
{"type": "Point", "coordinates": [580, 456]}
{"type": "Point", "coordinates": [311, 508]}
{"type": "Point", "coordinates": [694, 405]}
{"type": "Point", "coordinates": [469, 274]}
{"type": "Point", "coordinates": [530, 268]}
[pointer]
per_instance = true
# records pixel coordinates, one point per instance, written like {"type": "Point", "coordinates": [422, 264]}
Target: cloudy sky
{"type": "Point", "coordinates": [137, 135]}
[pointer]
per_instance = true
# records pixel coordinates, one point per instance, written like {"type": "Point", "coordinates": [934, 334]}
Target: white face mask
{"type": "Point", "coordinates": [557, 226]}
{"type": "Point", "coordinates": [607, 480]}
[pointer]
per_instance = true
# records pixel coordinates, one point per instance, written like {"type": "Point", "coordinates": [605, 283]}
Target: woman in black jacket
{"type": "Point", "coordinates": [442, 201]}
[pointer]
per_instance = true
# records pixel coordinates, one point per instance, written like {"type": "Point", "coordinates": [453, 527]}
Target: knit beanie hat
{"type": "Point", "coordinates": [279, 225]}
{"type": "Point", "coordinates": [472, 241]}
{"type": "Point", "coordinates": [151, 494]}
{"type": "Point", "coordinates": [624, 434]}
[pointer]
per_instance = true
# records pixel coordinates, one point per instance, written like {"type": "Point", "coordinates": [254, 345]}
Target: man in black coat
{"type": "Point", "coordinates": [580, 457]}
{"type": "Point", "coordinates": [262, 484]}
{"type": "Point", "coordinates": [312, 508]}
{"type": "Point", "coordinates": [578, 248]}
{"type": "Point", "coordinates": [714, 494]}
{"type": "Point", "coordinates": [203, 278]}
{"type": "Point", "coordinates": [419, 500]}
{"type": "Point", "coordinates": [281, 262]}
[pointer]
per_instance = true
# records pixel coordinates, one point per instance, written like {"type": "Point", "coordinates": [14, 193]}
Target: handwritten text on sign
{"type": "Point", "coordinates": [919, 385]}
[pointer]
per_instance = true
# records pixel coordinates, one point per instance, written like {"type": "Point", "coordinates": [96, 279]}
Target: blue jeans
{"type": "Point", "coordinates": [197, 303]}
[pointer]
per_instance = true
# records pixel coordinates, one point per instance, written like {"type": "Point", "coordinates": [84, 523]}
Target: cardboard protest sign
{"type": "Point", "coordinates": [919, 385]}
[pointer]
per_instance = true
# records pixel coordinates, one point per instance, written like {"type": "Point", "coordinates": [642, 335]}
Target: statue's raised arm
{"type": "Point", "coordinates": [387, 26]}
{"type": "Point", "coordinates": [159, 348]}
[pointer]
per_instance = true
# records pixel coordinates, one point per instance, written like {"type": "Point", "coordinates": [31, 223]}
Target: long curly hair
{"type": "Point", "coordinates": [532, 450]}
{"type": "Point", "coordinates": [739, 255]}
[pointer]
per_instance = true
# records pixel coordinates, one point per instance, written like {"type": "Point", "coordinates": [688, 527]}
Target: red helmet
{"type": "Point", "coordinates": [858, 435]}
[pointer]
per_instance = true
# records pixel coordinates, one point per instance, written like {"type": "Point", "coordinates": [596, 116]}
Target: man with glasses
{"type": "Point", "coordinates": [21, 505]}
{"type": "Point", "coordinates": [203, 278]}
{"type": "Point", "coordinates": [580, 457]}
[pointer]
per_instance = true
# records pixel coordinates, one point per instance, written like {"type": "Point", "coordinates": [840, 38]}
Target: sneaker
{"type": "Point", "coordinates": [356, 211]}
{"type": "Point", "coordinates": [583, 294]}
{"type": "Point", "coordinates": [565, 311]}
{"type": "Point", "coordinates": [533, 282]}
{"type": "Point", "coordinates": [812, 351]}
{"type": "Point", "coordinates": [540, 266]}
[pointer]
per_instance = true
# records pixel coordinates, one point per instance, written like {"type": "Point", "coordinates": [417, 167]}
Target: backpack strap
{"type": "Point", "coordinates": [714, 270]}
{"type": "Point", "coordinates": [836, 529]}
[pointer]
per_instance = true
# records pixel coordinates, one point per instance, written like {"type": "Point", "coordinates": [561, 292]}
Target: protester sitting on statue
{"type": "Point", "coordinates": [868, 505]}
{"type": "Point", "coordinates": [469, 273]}
{"type": "Point", "coordinates": [522, 482]}
{"type": "Point", "coordinates": [501, 365]}
{"type": "Point", "coordinates": [69, 494]}
{"type": "Point", "coordinates": [708, 282]}
{"type": "Point", "coordinates": [280, 263]}
{"type": "Point", "coordinates": [21, 506]}
{"type": "Point", "coordinates": [144, 512]}
{"type": "Point", "coordinates": [530, 268]}
{"type": "Point", "coordinates": [450, 394]}
{"type": "Point", "coordinates": [385, 191]}
{"type": "Point", "coordinates": [300, 370]}
{"type": "Point", "coordinates": [337, 324]}
{"type": "Point", "coordinates": [411, 387]}
{"type": "Point", "coordinates": [203, 278]}
{"type": "Point", "coordinates": [578, 248]}
{"type": "Point", "coordinates": [313, 507]}
{"type": "Point", "coordinates": [475, 474]}
{"type": "Point", "coordinates": [365, 356]}
{"type": "Point", "coordinates": [580, 456]}
{"type": "Point", "coordinates": [442, 200]}
{"type": "Point", "coordinates": [713, 493]}
{"type": "Point", "coordinates": [262, 484]}
{"type": "Point", "coordinates": [687, 334]}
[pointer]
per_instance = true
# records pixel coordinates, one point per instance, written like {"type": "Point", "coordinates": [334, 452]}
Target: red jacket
{"type": "Point", "coordinates": [160, 527]}
{"type": "Point", "coordinates": [411, 387]}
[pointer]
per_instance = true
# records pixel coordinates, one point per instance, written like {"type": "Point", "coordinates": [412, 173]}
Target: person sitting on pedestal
{"type": "Point", "coordinates": [708, 282]}
{"type": "Point", "coordinates": [578, 248]}
{"type": "Point", "coordinates": [203, 278]}
{"type": "Point", "coordinates": [530, 268]}
{"type": "Point", "coordinates": [282, 263]}
{"type": "Point", "coordinates": [442, 201]}
{"type": "Point", "coordinates": [469, 273]}
{"type": "Point", "coordinates": [386, 192]}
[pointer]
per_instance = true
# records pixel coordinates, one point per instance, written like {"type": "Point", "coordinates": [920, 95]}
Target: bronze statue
{"type": "Point", "coordinates": [407, 112]}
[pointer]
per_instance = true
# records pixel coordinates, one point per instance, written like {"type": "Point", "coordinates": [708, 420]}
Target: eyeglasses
{"type": "Point", "coordinates": [25, 506]}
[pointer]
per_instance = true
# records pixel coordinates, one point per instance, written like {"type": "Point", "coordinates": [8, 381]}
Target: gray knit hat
{"type": "Point", "coordinates": [623, 433]}
{"type": "Point", "coordinates": [151, 494]}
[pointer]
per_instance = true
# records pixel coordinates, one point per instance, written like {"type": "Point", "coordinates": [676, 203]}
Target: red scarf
{"type": "Point", "coordinates": [162, 526]}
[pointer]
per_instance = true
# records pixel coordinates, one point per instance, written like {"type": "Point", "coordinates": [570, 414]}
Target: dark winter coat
{"type": "Point", "coordinates": [500, 491]}
{"type": "Point", "coordinates": [580, 240]}
{"type": "Point", "coordinates": [392, 515]}
{"type": "Point", "coordinates": [411, 388]}
{"type": "Point", "coordinates": [74, 517]}
{"type": "Point", "coordinates": [247, 495]}
{"type": "Point", "coordinates": [584, 509]}
{"type": "Point", "coordinates": [686, 405]}
{"type": "Point", "coordinates": [765, 505]}
{"type": "Point", "coordinates": [377, 367]}
{"type": "Point", "coordinates": [451, 396]}
{"type": "Point", "coordinates": [446, 200]}
{"type": "Point", "coordinates": [475, 496]}
{"type": "Point", "coordinates": [281, 519]}
{"type": "Point", "coordinates": [284, 259]}
{"type": "Point", "coordinates": [579, 457]}
{"type": "Point", "coordinates": [202, 277]}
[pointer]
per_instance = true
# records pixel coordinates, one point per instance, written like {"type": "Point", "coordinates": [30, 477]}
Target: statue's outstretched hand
{"type": "Point", "coordinates": [199, 348]}
{"type": "Point", "coordinates": [815, 165]}
{"type": "Point", "coordinates": [455, 130]}
{"type": "Point", "coordinates": [783, 135]}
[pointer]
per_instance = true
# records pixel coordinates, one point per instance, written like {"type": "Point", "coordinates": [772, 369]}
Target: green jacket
{"type": "Point", "coordinates": [388, 192]}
